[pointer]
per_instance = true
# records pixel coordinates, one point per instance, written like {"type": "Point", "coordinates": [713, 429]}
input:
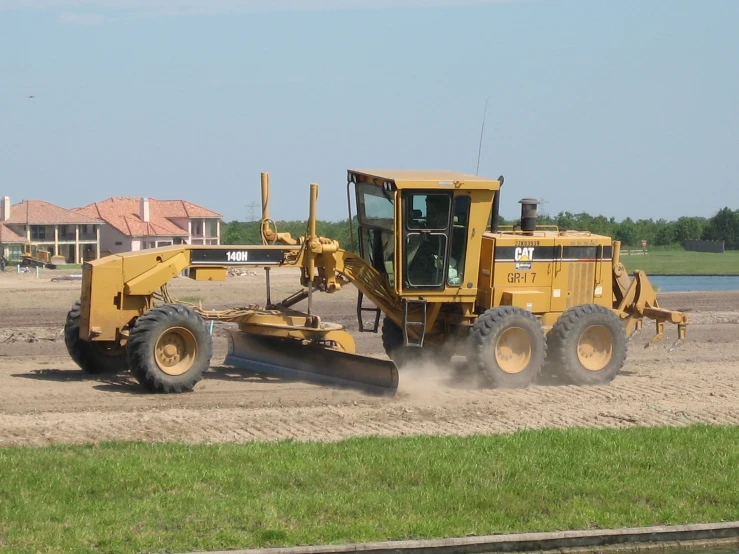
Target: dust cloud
{"type": "Point", "coordinates": [429, 380]}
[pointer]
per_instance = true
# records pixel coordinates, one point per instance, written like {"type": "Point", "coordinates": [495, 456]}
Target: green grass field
{"type": "Point", "coordinates": [681, 262]}
{"type": "Point", "coordinates": [123, 498]}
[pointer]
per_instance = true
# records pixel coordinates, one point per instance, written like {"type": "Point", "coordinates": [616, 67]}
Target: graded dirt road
{"type": "Point", "coordinates": [45, 398]}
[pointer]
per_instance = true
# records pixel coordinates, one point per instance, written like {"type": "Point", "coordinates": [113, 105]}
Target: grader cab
{"type": "Point", "coordinates": [433, 264]}
{"type": "Point", "coordinates": [515, 301]}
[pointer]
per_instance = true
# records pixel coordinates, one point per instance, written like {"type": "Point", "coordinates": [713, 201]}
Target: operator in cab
{"type": "Point", "coordinates": [426, 249]}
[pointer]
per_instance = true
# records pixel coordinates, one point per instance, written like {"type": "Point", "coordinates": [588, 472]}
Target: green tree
{"type": "Point", "coordinates": [665, 233]}
{"type": "Point", "coordinates": [724, 226]}
{"type": "Point", "coordinates": [689, 228]}
{"type": "Point", "coordinates": [627, 232]}
{"type": "Point", "coordinates": [239, 232]}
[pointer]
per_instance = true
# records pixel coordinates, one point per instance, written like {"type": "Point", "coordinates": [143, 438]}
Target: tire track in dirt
{"type": "Point", "coordinates": [45, 400]}
{"type": "Point", "coordinates": [231, 428]}
{"type": "Point", "coordinates": [625, 403]}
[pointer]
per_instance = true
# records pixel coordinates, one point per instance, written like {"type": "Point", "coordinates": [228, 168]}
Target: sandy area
{"type": "Point", "coordinates": [45, 398]}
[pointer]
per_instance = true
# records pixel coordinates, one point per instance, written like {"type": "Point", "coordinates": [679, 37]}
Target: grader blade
{"type": "Point", "coordinates": [291, 359]}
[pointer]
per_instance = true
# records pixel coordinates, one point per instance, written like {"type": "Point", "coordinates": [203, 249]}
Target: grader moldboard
{"type": "Point", "coordinates": [433, 262]}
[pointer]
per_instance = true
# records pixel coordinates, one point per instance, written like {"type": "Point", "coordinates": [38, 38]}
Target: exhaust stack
{"type": "Point", "coordinates": [528, 214]}
{"type": "Point", "coordinates": [494, 224]}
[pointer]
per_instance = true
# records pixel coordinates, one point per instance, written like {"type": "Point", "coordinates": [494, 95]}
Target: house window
{"type": "Point", "coordinates": [15, 253]}
{"type": "Point", "coordinates": [198, 230]}
{"type": "Point", "coordinates": [38, 232]}
{"type": "Point", "coordinates": [214, 228]}
{"type": "Point", "coordinates": [118, 243]}
{"type": "Point", "coordinates": [66, 232]}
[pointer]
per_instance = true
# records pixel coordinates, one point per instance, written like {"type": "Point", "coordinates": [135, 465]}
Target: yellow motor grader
{"type": "Point", "coordinates": [435, 273]}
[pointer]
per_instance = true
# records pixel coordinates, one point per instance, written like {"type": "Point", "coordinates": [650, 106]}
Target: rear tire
{"type": "Point", "coordinates": [169, 349]}
{"type": "Point", "coordinates": [403, 356]}
{"type": "Point", "coordinates": [92, 357]}
{"type": "Point", "coordinates": [587, 346]}
{"type": "Point", "coordinates": [508, 345]}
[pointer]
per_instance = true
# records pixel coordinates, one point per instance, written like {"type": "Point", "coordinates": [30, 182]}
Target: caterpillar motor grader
{"type": "Point", "coordinates": [432, 263]}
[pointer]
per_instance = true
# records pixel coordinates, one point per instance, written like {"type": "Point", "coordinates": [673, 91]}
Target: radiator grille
{"type": "Point", "coordinates": [580, 283]}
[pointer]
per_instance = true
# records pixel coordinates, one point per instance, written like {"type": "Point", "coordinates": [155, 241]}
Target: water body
{"type": "Point", "coordinates": [684, 283]}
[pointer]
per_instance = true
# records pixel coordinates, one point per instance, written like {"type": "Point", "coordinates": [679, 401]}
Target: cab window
{"type": "Point", "coordinates": [460, 224]}
{"type": "Point", "coordinates": [427, 218]}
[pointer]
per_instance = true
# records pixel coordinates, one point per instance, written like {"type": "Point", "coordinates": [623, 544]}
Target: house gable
{"type": "Point", "coordinates": [166, 218]}
{"type": "Point", "coordinates": [38, 212]}
{"type": "Point", "coordinates": [9, 236]}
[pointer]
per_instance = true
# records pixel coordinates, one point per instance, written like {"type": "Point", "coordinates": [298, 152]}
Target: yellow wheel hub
{"type": "Point", "coordinates": [595, 348]}
{"type": "Point", "coordinates": [513, 351]}
{"type": "Point", "coordinates": [175, 351]}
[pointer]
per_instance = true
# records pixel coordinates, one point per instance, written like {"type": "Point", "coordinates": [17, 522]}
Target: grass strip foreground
{"type": "Point", "coordinates": [135, 497]}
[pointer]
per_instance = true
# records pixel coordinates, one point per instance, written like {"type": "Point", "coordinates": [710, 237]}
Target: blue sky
{"type": "Point", "coordinates": [622, 108]}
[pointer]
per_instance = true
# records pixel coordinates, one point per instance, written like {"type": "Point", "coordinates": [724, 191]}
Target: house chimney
{"type": "Point", "coordinates": [5, 209]}
{"type": "Point", "coordinates": [144, 209]}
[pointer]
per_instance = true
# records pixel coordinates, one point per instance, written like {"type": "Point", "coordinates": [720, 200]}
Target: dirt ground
{"type": "Point", "coordinates": [45, 398]}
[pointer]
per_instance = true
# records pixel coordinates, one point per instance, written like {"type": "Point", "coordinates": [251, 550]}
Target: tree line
{"type": "Point", "coordinates": [240, 232]}
{"type": "Point", "coordinates": [724, 225]}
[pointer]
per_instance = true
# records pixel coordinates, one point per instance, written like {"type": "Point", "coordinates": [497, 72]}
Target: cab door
{"type": "Point", "coordinates": [426, 217]}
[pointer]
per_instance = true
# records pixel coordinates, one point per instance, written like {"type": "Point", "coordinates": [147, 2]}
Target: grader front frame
{"type": "Point", "coordinates": [126, 316]}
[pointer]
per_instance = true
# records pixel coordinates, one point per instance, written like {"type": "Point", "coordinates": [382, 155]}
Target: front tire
{"type": "Point", "coordinates": [169, 349]}
{"type": "Point", "coordinates": [92, 357]}
{"type": "Point", "coordinates": [509, 347]}
{"type": "Point", "coordinates": [587, 345]}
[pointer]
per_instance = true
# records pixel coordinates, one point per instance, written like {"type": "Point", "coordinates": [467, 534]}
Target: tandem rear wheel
{"type": "Point", "coordinates": [587, 346]}
{"type": "Point", "coordinates": [508, 346]}
{"type": "Point", "coordinates": [169, 349]}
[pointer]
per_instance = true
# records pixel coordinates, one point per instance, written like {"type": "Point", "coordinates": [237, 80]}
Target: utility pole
{"type": "Point", "coordinates": [252, 209]}
{"type": "Point", "coordinates": [542, 201]}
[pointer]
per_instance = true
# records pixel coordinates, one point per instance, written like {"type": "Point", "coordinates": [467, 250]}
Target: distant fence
{"type": "Point", "coordinates": [716, 246]}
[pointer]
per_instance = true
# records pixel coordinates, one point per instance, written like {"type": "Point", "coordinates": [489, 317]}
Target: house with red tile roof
{"type": "Point", "coordinates": [66, 233]}
{"type": "Point", "coordinates": [135, 223]}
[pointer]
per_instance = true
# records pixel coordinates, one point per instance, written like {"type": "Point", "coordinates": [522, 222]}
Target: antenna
{"type": "Point", "coordinates": [482, 130]}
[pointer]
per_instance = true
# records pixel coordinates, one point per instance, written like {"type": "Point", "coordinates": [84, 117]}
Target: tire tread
{"type": "Point", "coordinates": [88, 355]}
{"type": "Point", "coordinates": [490, 321]}
{"type": "Point", "coordinates": [561, 333]}
{"type": "Point", "coordinates": [139, 349]}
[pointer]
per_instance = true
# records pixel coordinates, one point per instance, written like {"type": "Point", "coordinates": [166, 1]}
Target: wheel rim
{"type": "Point", "coordinates": [595, 348]}
{"type": "Point", "coordinates": [175, 351]}
{"type": "Point", "coordinates": [513, 350]}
